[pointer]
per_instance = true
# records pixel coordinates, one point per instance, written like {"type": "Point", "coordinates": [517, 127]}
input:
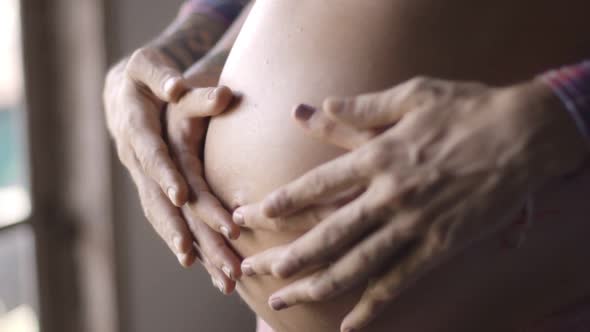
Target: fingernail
{"type": "Point", "coordinates": [227, 271]}
{"type": "Point", "coordinates": [277, 304]}
{"type": "Point", "coordinates": [177, 244]}
{"type": "Point", "coordinates": [218, 284]}
{"type": "Point", "coordinates": [181, 258]}
{"type": "Point", "coordinates": [169, 85]}
{"type": "Point", "coordinates": [348, 330]}
{"type": "Point", "coordinates": [172, 193]}
{"type": "Point", "coordinates": [225, 231]}
{"type": "Point", "coordinates": [304, 112]}
{"type": "Point", "coordinates": [238, 218]}
{"type": "Point", "coordinates": [213, 94]}
{"type": "Point", "coordinates": [247, 269]}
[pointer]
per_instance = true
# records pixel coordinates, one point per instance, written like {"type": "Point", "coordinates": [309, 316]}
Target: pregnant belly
{"type": "Point", "coordinates": [302, 51]}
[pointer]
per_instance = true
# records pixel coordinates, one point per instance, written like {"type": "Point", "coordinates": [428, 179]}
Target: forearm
{"type": "Point", "coordinates": [207, 71]}
{"type": "Point", "coordinates": [192, 33]}
{"type": "Point", "coordinates": [189, 38]}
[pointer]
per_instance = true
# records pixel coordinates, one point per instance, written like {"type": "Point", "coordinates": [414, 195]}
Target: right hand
{"type": "Point", "coordinates": [134, 96]}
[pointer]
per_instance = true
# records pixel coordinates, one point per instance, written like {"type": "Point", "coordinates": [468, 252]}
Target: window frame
{"type": "Point", "coordinates": [74, 245]}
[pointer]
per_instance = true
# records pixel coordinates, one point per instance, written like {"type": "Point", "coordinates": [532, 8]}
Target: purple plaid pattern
{"type": "Point", "coordinates": [572, 85]}
{"type": "Point", "coordinates": [226, 10]}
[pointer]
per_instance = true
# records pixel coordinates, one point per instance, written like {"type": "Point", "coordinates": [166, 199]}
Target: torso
{"type": "Point", "coordinates": [302, 51]}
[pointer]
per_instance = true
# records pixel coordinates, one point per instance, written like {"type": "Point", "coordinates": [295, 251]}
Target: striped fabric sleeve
{"type": "Point", "coordinates": [572, 85]}
{"type": "Point", "coordinates": [226, 10]}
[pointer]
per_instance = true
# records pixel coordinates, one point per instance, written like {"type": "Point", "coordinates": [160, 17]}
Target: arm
{"type": "Point", "coordinates": [444, 164]}
{"type": "Point", "coordinates": [136, 90]}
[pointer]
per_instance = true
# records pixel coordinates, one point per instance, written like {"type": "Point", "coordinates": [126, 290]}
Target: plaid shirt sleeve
{"type": "Point", "coordinates": [572, 85]}
{"type": "Point", "coordinates": [226, 10]}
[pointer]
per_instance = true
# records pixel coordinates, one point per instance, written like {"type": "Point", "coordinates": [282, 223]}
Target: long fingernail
{"type": "Point", "coordinates": [213, 94]}
{"type": "Point", "coordinates": [169, 86]}
{"type": "Point", "coordinates": [247, 269]}
{"type": "Point", "coordinates": [304, 112]}
{"type": "Point", "coordinates": [238, 218]}
{"type": "Point", "coordinates": [178, 244]}
{"type": "Point", "coordinates": [181, 258]}
{"type": "Point", "coordinates": [277, 304]}
{"type": "Point", "coordinates": [225, 231]}
{"type": "Point", "coordinates": [218, 284]}
{"type": "Point", "coordinates": [172, 193]}
{"type": "Point", "coordinates": [227, 271]}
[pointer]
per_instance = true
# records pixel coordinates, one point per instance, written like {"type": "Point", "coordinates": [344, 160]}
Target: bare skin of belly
{"type": "Point", "coordinates": [303, 51]}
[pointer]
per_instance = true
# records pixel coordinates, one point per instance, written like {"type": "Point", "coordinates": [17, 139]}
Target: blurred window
{"type": "Point", "coordinates": [14, 199]}
{"type": "Point", "coordinates": [18, 311]}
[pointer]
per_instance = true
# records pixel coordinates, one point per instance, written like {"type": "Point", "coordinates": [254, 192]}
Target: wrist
{"type": "Point", "coordinates": [552, 145]}
{"type": "Point", "coordinates": [188, 39]}
{"type": "Point", "coordinates": [207, 71]}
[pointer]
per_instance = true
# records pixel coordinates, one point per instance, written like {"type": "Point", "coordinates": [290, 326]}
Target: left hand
{"type": "Point", "coordinates": [441, 164]}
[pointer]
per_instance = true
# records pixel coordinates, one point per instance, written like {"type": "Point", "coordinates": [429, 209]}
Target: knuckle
{"type": "Point", "coordinates": [418, 83]}
{"type": "Point", "coordinates": [216, 243]}
{"type": "Point", "coordinates": [295, 258]}
{"type": "Point", "coordinates": [319, 184]}
{"type": "Point", "coordinates": [333, 235]}
{"type": "Point", "coordinates": [376, 158]}
{"type": "Point", "coordinates": [282, 201]}
{"type": "Point", "coordinates": [365, 256]}
{"type": "Point", "coordinates": [363, 213]}
{"type": "Point", "coordinates": [321, 290]}
{"type": "Point", "coordinates": [151, 157]}
{"type": "Point", "coordinates": [140, 55]}
{"type": "Point", "coordinates": [136, 60]}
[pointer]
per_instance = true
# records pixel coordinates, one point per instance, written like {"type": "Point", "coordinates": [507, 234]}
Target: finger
{"type": "Point", "coordinates": [322, 127]}
{"type": "Point", "coordinates": [375, 110]}
{"type": "Point", "coordinates": [251, 216]}
{"type": "Point", "coordinates": [204, 204]}
{"type": "Point", "coordinates": [201, 102]}
{"type": "Point", "coordinates": [219, 280]}
{"type": "Point", "coordinates": [297, 292]}
{"type": "Point", "coordinates": [361, 262]}
{"type": "Point", "coordinates": [329, 178]}
{"type": "Point", "coordinates": [154, 158]}
{"type": "Point", "coordinates": [213, 247]}
{"type": "Point", "coordinates": [188, 259]}
{"type": "Point", "coordinates": [215, 215]}
{"type": "Point", "coordinates": [386, 288]}
{"type": "Point", "coordinates": [149, 67]}
{"type": "Point", "coordinates": [164, 217]}
{"type": "Point", "coordinates": [336, 232]}
{"type": "Point", "coordinates": [260, 264]}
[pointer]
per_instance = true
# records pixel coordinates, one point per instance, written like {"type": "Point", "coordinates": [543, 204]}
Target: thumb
{"type": "Point", "coordinates": [200, 103]}
{"type": "Point", "coordinates": [149, 67]}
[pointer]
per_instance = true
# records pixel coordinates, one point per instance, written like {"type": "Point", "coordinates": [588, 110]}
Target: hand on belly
{"type": "Point", "coordinates": [437, 179]}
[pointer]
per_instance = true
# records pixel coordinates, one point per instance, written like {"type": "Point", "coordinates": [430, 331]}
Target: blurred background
{"type": "Point", "coordinates": [76, 253]}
